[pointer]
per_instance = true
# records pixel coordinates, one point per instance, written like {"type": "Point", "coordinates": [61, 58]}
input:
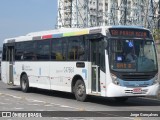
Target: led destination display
{"type": "Point", "coordinates": [138, 33]}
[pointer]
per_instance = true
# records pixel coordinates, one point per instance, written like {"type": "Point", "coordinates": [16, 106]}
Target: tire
{"type": "Point", "coordinates": [80, 91]}
{"type": "Point", "coordinates": [121, 99]}
{"type": "Point", "coordinates": [24, 83]}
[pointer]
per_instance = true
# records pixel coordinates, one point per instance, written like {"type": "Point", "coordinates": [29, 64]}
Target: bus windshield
{"type": "Point", "coordinates": [133, 55]}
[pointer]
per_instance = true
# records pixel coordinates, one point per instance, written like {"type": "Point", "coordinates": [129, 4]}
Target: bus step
{"type": "Point", "coordinates": [95, 93]}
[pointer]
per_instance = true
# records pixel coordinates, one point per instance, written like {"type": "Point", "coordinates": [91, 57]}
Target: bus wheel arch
{"type": "Point", "coordinates": [79, 88]}
{"type": "Point", "coordinates": [24, 82]}
{"type": "Point", "coordinates": [74, 80]}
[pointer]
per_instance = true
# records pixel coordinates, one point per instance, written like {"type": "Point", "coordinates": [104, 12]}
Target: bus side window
{"type": "Point", "coordinates": [43, 50]}
{"type": "Point", "coordinates": [19, 51]}
{"type": "Point", "coordinates": [25, 51]}
{"type": "Point", "coordinates": [76, 49]}
{"type": "Point", "coordinates": [58, 49]}
{"type": "Point", "coordinates": [29, 53]}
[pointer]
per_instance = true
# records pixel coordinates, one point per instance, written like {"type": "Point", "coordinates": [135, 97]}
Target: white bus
{"type": "Point", "coordinates": [89, 61]}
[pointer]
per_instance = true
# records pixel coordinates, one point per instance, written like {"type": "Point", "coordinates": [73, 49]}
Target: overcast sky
{"type": "Point", "coordinates": [19, 17]}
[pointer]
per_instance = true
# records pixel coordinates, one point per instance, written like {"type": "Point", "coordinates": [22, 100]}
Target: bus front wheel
{"type": "Point", "coordinates": [24, 83]}
{"type": "Point", "coordinates": [80, 91]}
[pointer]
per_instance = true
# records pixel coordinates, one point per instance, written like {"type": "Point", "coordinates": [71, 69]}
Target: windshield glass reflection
{"type": "Point", "coordinates": [133, 55]}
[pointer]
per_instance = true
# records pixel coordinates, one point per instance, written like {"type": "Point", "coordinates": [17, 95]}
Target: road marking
{"type": "Point", "coordinates": [13, 96]}
{"type": "Point", "coordinates": [7, 99]}
{"type": "Point", "coordinates": [40, 110]}
{"type": "Point", "coordinates": [39, 101]}
{"type": "Point", "coordinates": [64, 106]}
{"type": "Point", "coordinates": [66, 118]}
{"type": "Point", "coordinates": [33, 100]}
{"type": "Point", "coordinates": [48, 105]}
{"type": "Point", "coordinates": [19, 108]}
{"type": "Point", "coordinates": [33, 104]}
{"type": "Point", "coordinates": [3, 103]}
{"type": "Point", "coordinates": [82, 109]}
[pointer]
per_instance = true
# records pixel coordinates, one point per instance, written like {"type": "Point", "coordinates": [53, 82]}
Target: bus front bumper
{"type": "Point", "coordinates": [119, 91]}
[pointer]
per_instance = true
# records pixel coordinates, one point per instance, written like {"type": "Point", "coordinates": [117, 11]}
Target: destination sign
{"type": "Point", "coordinates": [124, 65]}
{"type": "Point", "coordinates": [129, 33]}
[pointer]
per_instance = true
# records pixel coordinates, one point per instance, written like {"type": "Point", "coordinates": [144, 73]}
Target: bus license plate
{"type": "Point", "coordinates": [137, 90]}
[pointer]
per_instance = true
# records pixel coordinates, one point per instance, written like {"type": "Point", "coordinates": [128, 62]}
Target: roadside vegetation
{"type": "Point", "coordinates": [156, 35]}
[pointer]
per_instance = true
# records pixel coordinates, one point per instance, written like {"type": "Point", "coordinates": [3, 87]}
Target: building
{"type": "Point", "coordinates": [87, 13]}
{"type": "Point", "coordinates": [0, 54]}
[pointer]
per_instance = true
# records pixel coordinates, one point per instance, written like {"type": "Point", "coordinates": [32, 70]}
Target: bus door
{"type": "Point", "coordinates": [10, 58]}
{"type": "Point", "coordinates": [95, 85]}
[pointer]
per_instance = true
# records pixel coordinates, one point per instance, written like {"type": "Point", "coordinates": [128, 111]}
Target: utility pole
{"type": "Point", "coordinates": [146, 14]}
{"type": "Point", "coordinates": [125, 12]}
{"type": "Point", "coordinates": [97, 14]}
{"type": "Point", "coordinates": [150, 15]}
{"type": "Point", "coordinates": [159, 15]}
{"type": "Point", "coordinates": [71, 11]}
{"type": "Point", "coordinates": [87, 13]}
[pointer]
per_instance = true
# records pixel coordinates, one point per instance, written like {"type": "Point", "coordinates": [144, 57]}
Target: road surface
{"type": "Point", "coordinates": [13, 99]}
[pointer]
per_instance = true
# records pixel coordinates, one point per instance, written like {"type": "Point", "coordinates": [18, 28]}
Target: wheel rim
{"type": "Point", "coordinates": [80, 90]}
{"type": "Point", "coordinates": [24, 83]}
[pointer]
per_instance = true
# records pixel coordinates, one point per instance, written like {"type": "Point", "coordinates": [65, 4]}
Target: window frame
{"type": "Point", "coordinates": [62, 46]}
{"type": "Point", "coordinates": [79, 38]}
{"type": "Point", "coordinates": [24, 42]}
{"type": "Point", "coordinates": [49, 56]}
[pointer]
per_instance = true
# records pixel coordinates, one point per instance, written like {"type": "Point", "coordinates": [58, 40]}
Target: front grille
{"type": "Point", "coordinates": [136, 77]}
{"type": "Point", "coordinates": [139, 85]}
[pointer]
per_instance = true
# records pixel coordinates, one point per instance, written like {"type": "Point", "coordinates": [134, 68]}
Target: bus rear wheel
{"type": "Point", "coordinates": [24, 83]}
{"type": "Point", "coordinates": [80, 91]}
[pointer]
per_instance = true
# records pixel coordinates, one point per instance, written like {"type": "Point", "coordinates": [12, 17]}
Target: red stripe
{"type": "Point", "coordinates": [46, 36]}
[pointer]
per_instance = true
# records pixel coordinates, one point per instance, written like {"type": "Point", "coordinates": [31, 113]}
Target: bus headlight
{"type": "Point", "coordinates": [114, 79]}
{"type": "Point", "coordinates": [155, 79]}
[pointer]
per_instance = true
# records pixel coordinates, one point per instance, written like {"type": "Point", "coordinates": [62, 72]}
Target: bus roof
{"type": "Point", "coordinates": [65, 32]}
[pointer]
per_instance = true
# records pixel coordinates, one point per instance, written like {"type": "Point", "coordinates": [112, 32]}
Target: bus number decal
{"type": "Point", "coordinates": [68, 69]}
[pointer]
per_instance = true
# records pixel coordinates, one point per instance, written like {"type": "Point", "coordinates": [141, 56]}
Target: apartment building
{"type": "Point", "coordinates": [85, 13]}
